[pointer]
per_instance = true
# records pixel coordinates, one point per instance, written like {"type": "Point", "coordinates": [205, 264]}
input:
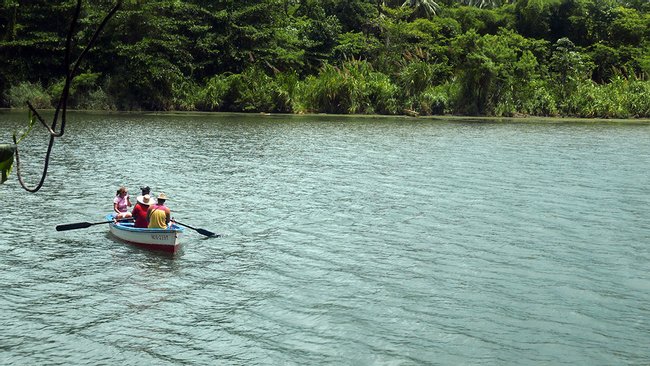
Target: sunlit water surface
{"type": "Point", "coordinates": [346, 241]}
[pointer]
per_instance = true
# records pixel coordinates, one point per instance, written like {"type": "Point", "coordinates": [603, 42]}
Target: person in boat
{"type": "Point", "coordinates": [121, 204]}
{"type": "Point", "coordinates": [145, 190]}
{"type": "Point", "coordinates": [159, 215]}
{"type": "Point", "coordinates": [140, 209]}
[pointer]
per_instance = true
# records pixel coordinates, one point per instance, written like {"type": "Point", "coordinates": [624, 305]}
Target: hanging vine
{"type": "Point", "coordinates": [62, 106]}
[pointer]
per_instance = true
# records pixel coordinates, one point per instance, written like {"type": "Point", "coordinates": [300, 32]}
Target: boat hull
{"type": "Point", "coordinates": [166, 240]}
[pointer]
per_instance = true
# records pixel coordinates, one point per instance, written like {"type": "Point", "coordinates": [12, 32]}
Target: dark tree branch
{"type": "Point", "coordinates": [40, 119]}
{"type": "Point", "coordinates": [63, 100]}
{"type": "Point", "coordinates": [62, 106]}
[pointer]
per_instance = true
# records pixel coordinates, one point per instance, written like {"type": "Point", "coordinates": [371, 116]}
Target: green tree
{"type": "Point", "coordinates": [155, 54]}
{"type": "Point", "coordinates": [535, 17]}
{"type": "Point", "coordinates": [628, 27]}
{"type": "Point", "coordinates": [31, 33]}
{"type": "Point", "coordinates": [569, 68]}
{"type": "Point", "coordinates": [493, 68]}
{"type": "Point", "coordinates": [607, 61]}
{"type": "Point", "coordinates": [592, 21]}
{"type": "Point", "coordinates": [483, 4]}
{"type": "Point", "coordinates": [423, 8]}
{"type": "Point", "coordinates": [319, 31]}
{"type": "Point", "coordinates": [483, 21]}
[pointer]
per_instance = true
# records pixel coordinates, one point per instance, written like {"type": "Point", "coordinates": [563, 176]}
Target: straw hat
{"type": "Point", "coordinates": [146, 200]}
{"type": "Point", "coordinates": [162, 196]}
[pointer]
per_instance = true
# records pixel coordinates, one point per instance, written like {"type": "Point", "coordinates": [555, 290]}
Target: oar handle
{"type": "Point", "coordinates": [83, 225]}
{"type": "Point", "coordinates": [78, 225]}
{"type": "Point", "coordinates": [180, 223]}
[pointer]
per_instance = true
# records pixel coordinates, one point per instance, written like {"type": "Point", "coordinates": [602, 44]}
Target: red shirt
{"type": "Point", "coordinates": [140, 215]}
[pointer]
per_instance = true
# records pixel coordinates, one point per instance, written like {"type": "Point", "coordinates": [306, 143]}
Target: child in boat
{"type": "Point", "coordinates": [121, 204]}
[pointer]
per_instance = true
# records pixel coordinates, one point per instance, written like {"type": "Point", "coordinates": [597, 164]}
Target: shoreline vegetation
{"type": "Point", "coordinates": [448, 59]}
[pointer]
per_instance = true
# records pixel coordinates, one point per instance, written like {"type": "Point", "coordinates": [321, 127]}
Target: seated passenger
{"type": "Point", "coordinates": [121, 204]}
{"type": "Point", "coordinates": [140, 209]}
{"type": "Point", "coordinates": [159, 215]}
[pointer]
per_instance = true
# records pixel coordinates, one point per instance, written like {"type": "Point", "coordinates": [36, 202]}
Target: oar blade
{"type": "Point", "coordinates": [78, 225]}
{"type": "Point", "coordinates": [82, 225]}
{"type": "Point", "coordinates": [207, 233]}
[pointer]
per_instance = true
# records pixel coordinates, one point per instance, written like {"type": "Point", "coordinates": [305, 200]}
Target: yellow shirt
{"type": "Point", "coordinates": [158, 217]}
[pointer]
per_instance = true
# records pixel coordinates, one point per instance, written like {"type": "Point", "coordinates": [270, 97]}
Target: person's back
{"type": "Point", "coordinates": [140, 211]}
{"type": "Point", "coordinates": [159, 215]}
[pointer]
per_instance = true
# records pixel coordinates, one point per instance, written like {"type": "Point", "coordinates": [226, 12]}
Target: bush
{"type": "Point", "coordinates": [352, 88]}
{"type": "Point", "coordinates": [212, 96]}
{"type": "Point", "coordinates": [17, 96]}
{"type": "Point", "coordinates": [97, 100]}
{"type": "Point", "coordinates": [285, 91]}
{"type": "Point", "coordinates": [622, 98]}
{"type": "Point", "coordinates": [438, 99]}
{"type": "Point", "coordinates": [527, 98]}
{"type": "Point", "coordinates": [253, 91]}
{"type": "Point", "coordinates": [185, 96]}
{"type": "Point", "coordinates": [417, 76]}
{"type": "Point", "coordinates": [638, 98]}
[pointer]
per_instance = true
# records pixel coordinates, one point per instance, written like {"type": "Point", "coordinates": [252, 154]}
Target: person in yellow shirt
{"type": "Point", "coordinates": [159, 215]}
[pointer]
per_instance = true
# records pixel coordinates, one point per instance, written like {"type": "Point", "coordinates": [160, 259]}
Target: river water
{"type": "Point", "coordinates": [346, 241]}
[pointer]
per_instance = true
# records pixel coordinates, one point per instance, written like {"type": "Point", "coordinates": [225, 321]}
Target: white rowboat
{"type": "Point", "coordinates": [166, 240]}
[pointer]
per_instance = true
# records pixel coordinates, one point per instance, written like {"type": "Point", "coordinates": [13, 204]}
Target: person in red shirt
{"type": "Point", "coordinates": [140, 209]}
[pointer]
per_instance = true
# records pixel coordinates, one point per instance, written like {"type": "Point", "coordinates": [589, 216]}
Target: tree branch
{"type": "Point", "coordinates": [62, 106]}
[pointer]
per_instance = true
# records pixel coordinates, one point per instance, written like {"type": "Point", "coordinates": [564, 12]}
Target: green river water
{"type": "Point", "coordinates": [346, 241]}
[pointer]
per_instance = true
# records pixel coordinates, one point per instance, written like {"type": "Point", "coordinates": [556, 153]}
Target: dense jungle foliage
{"type": "Point", "coordinates": [588, 58]}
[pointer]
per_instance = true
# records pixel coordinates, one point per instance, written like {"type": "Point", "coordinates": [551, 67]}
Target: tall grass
{"type": "Point", "coordinates": [353, 88]}
{"type": "Point", "coordinates": [213, 94]}
{"type": "Point", "coordinates": [438, 99]}
{"type": "Point", "coordinates": [251, 91]}
{"type": "Point", "coordinates": [424, 88]}
{"type": "Point", "coordinates": [284, 95]}
{"type": "Point", "coordinates": [17, 96]}
{"type": "Point", "coordinates": [185, 96]}
{"type": "Point", "coordinates": [621, 98]}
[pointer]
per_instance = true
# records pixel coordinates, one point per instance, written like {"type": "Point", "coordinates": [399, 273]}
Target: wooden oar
{"type": "Point", "coordinates": [83, 225]}
{"type": "Point", "coordinates": [200, 231]}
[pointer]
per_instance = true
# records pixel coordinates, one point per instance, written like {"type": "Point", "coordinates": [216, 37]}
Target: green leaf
{"type": "Point", "coordinates": [6, 160]}
{"type": "Point", "coordinates": [30, 126]}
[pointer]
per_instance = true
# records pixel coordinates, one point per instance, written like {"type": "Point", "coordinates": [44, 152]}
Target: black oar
{"type": "Point", "coordinates": [82, 225]}
{"type": "Point", "coordinates": [200, 231]}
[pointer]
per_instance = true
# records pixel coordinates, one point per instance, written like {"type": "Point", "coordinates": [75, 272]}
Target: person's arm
{"type": "Point", "coordinates": [168, 215]}
{"type": "Point", "coordinates": [116, 201]}
{"type": "Point", "coordinates": [149, 211]}
{"type": "Point", "coordinates": [128, 201]}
